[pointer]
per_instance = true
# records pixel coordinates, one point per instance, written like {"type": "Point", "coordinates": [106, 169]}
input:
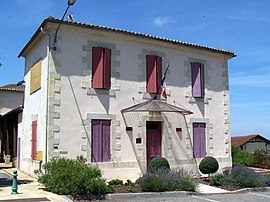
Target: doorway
{"type": "Point", "coordinates": [153, 140]}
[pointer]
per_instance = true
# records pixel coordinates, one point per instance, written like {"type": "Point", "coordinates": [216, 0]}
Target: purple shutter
{"type": "Point", "coordinates": [203, 141]}
{"type": "Point", "coordinates": [107, 68]}
{"type": "Point", "coordinates": [197, 79]}
{"type": "Point", "coordinates": [97, 67]}
{"type": "Point", "coordinates": [151, 74]}
{"type": "Point", "coordinates": [96, 140]}
{"type": "Point", "coordinates": [106, 154]}
{"type": "Point", "coordinates": [199, 144]}
{"type": "Point", "coordinates": [159, 73]}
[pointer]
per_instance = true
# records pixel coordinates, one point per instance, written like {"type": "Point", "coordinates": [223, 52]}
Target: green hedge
{"type": "Point", "coordinates": [71, 177]}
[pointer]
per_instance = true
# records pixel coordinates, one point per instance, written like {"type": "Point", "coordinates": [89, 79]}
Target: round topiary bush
{"type": "Point", "coordinates": [159, 163]}
{"type": "Point", "coordinates": [208, 165]}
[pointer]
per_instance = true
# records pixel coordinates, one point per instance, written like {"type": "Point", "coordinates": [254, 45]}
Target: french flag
{"type": "Point", "coordinates": [163, 84]}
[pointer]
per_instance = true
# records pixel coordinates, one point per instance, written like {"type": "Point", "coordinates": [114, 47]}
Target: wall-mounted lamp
{"type": "Point", "coordinates": [70, 3]}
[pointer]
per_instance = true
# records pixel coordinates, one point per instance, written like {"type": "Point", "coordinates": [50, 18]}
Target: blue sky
{"type": "Point", "coordinates": [239, 25]}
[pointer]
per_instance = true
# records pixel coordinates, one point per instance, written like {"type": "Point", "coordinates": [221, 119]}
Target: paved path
{"type": "Point", "coordinates": [28, 188]}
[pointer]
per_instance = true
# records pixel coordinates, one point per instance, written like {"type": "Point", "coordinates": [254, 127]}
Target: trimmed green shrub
{"type": "Point", "coordinates": [174, 180]}
{"type": "Point", "coordinates": [71, 177]}
{"type": "Point", "coordinates": [208, 165]}
{"type": "Point", "coordinates": [159, 163]}
{"type": "Point", "coordinates": [241, 157]}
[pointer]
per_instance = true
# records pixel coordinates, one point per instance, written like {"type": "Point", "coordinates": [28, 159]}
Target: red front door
{"type": "Point", "coordinates": [153, 140]}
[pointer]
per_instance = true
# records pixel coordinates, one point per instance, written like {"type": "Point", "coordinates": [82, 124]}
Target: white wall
{"type": "Point", "coordinates": [34, 108]}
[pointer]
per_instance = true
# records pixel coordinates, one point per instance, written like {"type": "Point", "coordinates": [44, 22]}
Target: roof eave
{"type": "Point", "coordinates": [227, 53]}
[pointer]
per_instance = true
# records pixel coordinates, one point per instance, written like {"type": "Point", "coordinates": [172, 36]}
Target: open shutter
{"type": "Point", "coordinates": [151, 74]}
{"type": "Point", "coordinates": [97, 67]}
{"type": "Point", "coordinates": [107, 68]}
{"type": "Point", "coordinates": [159, 73]}
{"type": "Point", "coordinates": [96, 140]}
{"type": "Point", "coordinates": [197, 79]}
{"type": "Point", "coordinates": [106, 154]}
{"type": "Point", "coordinates": [34, 140]}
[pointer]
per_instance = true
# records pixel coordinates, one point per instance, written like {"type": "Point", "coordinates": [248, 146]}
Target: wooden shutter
{"type": "Point", "coordinates": [107, 68]}
{"type": "Point", "coordinates": [97, 67]}
{"type": "Point", "coordinates": [197, 79]}
{"type": "Point", "coordinates": [151, 74]}
{"type": "Point", "coordinates": [100, 140]}
{"type": "Point", "coordinates": [96, 140]}
{"type": "Point", "coordinates": [34, 140]}
{"type": "Point", "coordinates": [106, 154]}
{"type": "Point", "coordinates": [159, 73]}
{"type": "Point", "coordinates": [199, 143]}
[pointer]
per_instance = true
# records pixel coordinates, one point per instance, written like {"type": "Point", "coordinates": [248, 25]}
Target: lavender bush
{"type": "Point", "coordinates": [162, 180]}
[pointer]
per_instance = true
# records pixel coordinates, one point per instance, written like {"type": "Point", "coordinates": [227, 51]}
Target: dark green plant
{"type": "Point", "coordinates": [261, 159]}
{"type": "Point", "coordinates": [71, 177]}
{"type": "Point", "coordinates": [116, 183]}
{"type": "Point", "coordinates": [208, 165]}
{"type": "Point", "coordinates": [241, 157]}
{"type": "Point", "coordinates": [216, 179]}
{"type": "Point", "coordinates": [159, 163]}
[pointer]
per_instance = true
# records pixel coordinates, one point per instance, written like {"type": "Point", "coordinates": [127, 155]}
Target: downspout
{"type": "Point", "coordinates": [47, 96]}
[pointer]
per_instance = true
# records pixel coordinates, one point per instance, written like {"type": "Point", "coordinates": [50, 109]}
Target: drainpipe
{"type": "Point", "coordinates": [47, 96]}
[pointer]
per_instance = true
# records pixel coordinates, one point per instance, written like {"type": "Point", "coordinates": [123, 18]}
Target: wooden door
{"type": "Point", "coordinates": [153, 140]}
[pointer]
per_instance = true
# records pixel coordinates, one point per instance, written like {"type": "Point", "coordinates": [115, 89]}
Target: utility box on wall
{"type": "Point", "coordinates": [39, 155]}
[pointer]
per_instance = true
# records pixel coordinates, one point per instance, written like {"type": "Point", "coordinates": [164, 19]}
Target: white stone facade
{"type": "Point", "coordinates": [66, 103]}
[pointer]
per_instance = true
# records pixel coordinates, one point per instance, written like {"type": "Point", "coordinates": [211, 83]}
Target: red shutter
{"type": "Point", "coordinates": [34, 140]}
{"type": "Point", "coordinates": [107, 68]}
{"type": "Point", "coordinates": [106, 154]}
{"type": "Point", "coordinates": [199, 143]}
{"type": "Point", "coordinates": [197, 79]}
{"type": "Point", "coordinates": [159, 73]}
{"type": "Point", "coordinates": [97, 67]}
{"type": "Point", "coordinates": [151, 74]}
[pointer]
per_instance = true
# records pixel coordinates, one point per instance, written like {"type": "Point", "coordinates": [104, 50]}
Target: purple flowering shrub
{"type": "Point", "coordinates": [241, 176]}
{"type": "Point", "coordinates": [162, 180]}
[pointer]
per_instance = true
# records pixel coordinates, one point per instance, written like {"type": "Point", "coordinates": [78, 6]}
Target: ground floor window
{"type": "Point", "coordinates": [199, 143]}
{"type": "Point", "coordinates": [100, 141]}
{"type": "Point", "coordinates": [34, 140]}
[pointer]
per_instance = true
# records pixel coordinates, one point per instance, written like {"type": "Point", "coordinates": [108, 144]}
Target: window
{"type": "Point", "coordinates": [100, 141]}
{"type": "Point", "coordinates": [34, 140]}
{"type": "Point", "coordinates": [101, 68]}
{"type": "Point", "coordinates": [197, 75]}
{"type": "Point", "coordinates": [199, 146]}
{"type": "Point", "coordinates": [153, 74]}
{"type": "Point", "coordinates": [35, 77]}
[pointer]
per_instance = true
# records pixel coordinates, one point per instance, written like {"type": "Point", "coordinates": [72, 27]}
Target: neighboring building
{"type": "Point", "coordinates": [11, 102]}
{"type": "Point", "coordinates": [251, 143]}
{"type": "Point", "coordinates": [81, 87]}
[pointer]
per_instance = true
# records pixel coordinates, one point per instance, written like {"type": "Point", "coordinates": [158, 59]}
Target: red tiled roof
{"type": "Point", "coordinates": [12, 87]}
{"type": "Point", "coordinates": [240, 140]}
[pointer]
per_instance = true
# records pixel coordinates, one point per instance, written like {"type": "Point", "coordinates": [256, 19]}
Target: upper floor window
{"type": "Point", "coordinates": [101, 68]}
{"type": "Point", "coordinates": [197, 77]}
{"type": "Point", "coordinates": [35, 77]}
{"type": "Point", "coordinates": [153, 74]}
